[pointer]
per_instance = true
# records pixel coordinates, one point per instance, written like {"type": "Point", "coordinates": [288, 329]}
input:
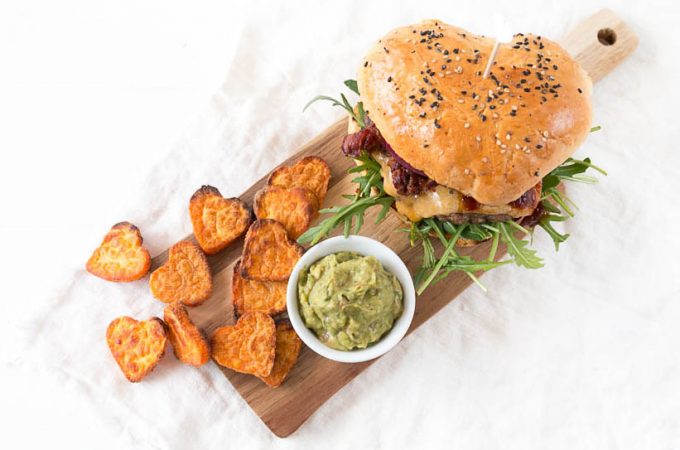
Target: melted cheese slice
{"type": "Point", "coordinates": [440, 201]}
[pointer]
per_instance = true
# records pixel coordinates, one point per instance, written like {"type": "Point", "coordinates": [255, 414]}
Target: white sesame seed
{"type": "Point", "coordinates": [502, 151]}
{"type": "Point", "coordinates": [518, 147]}
{"type": "Point", "coordinates": [507, 137]}
{"type": "Point", "coordinates": [448, 72]}
{"type": "Point", "coordinates": [545, 134]}
{"type": "Point", "coordinates": [467, 125]}
{"type": "Point", "coordinates": [527, 150]}
{"type": "Point", "coordinates": [467, 171]}
{"type": "Point", "coordinates": [459, 69]}
{"type": "Point", "coordinates": [485, 160]}
{"type": "Point", "coordinates": [460, 100]}
{"type": "Point", "coordinates": [478, 138]}
{"type": "Point", "coordinates": [457, 58]}
{"type": "Point", "coordinates": [498, 142]}
{"type": "Point", "coordinates": [441, 74]}
{"type": "Point", "coordinates": [494, 115]}
{"type": "Point", "coordinates": [504, 146]}
{"type": "Point", "coordinates": [513, 107]}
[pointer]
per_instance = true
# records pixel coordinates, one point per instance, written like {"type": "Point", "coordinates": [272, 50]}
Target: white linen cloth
{"type": "Point", "coordinates": [583, 353]}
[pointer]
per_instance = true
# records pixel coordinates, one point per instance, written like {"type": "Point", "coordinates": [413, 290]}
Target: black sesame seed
{"type": "Point", "coordinates": [389, 79]}
{"type": "Point", "coordinates": [436, 124]}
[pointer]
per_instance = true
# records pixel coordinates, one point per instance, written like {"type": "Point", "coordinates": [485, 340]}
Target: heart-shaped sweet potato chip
{"type": "Point", "coordinates": [185, 277]}
{"type": "Point", "coordinates": [311, 173]}
{"type": "Point", "coordinates": [268, 253]}
{"type": "Point", "coordinates": [136, 346]}
{"type": "Point", "coordinates": [248, 346]}
{"type": "Point", "coordinates": [288, 345]}
{"type": "Point", "coordinates": [268, 297]}
{"type": "Point", "coordinates": [217, 221]}
{"type": "Point", "coordinates": [120, 257]}
{"type": "Point", "coordinates": [187, 341]}
{"type": "Point", "coordinates": [294, 208]}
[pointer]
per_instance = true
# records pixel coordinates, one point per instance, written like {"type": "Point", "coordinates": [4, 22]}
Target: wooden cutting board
{"type": "Point", "coordinates": [600, 43]}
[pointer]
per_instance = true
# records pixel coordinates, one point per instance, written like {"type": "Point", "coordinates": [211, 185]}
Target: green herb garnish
{"type": "Point", "coordinates": [370, 192]}
{"type": "Point", "coordinates": [358, 116]}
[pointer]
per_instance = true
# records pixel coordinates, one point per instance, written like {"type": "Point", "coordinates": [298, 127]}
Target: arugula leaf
{"type": "Point", "coordinates": [517, 248]}
{"type": "Point", "coordinates": [370, 192]}
{"type": "Point", "coordinates": [359, 116]}
{"type": "Point", "coordinates": [352, 85]}
{"type": "Point", "coordinates": [546, 224]}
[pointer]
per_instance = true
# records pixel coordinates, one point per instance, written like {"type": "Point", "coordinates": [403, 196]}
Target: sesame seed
{"type": "Point", "coordinates": [545, 134]}
{"type": "Point", "coordinates": [466, 125]}
{"type": "Point", "coordinates": [458, 69]}
{"type": "Point", "coordinates": [467, 171]}
{"type": "Point", "coordinates": [478, 138]}
{"type": "Point", "coordinates": [485, 159]}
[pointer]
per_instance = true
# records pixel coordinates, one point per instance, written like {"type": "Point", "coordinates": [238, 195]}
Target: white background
{"type": "Point", "coordinates": [120, 110]}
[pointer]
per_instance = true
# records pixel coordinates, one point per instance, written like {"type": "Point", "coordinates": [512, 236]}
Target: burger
{"type": "Point", "coordinates": [475, 153]}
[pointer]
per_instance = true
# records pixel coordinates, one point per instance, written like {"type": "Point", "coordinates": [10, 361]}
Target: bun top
{"type": "Point", "coordinates": [492, 139]}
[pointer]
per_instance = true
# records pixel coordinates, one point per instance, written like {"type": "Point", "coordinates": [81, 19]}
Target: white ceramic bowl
{"type": "Point", "coordinates": [389, 260]}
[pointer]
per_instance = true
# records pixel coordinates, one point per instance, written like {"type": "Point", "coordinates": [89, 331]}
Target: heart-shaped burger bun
{"type": "Point", "coordinates": [136, 346]}
{"type": "Point", "coordinates": [490, 138]}
{"type": "Point", "coordinates": [120, 257]}
{"type": "Point", "coordinates": [247, 347]}
{"type": "Point", "coordinates": [185, 277]}
{"type": "Point", "coordinates": [217, 221]}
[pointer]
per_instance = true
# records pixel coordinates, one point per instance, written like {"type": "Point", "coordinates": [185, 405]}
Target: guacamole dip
{"type": "Point", "coordinates": [349, 300]}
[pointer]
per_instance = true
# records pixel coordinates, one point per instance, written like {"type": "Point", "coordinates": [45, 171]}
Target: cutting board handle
{"type": "Point", "coordinates": [600, 43]}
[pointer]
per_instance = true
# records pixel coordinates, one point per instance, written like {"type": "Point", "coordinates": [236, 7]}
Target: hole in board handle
{"type": "Point", "coordinates": [606, 36]}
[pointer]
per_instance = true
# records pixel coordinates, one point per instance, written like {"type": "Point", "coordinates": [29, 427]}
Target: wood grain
{"type": "Point", "coordinates": [315, 379]}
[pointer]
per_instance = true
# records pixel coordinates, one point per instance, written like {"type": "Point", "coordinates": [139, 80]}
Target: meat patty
{"type": "Point", "coordinates": [418, 196]}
